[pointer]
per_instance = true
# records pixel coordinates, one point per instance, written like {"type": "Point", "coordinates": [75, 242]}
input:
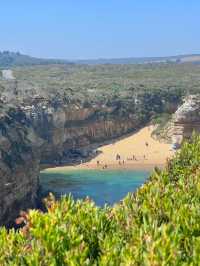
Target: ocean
{"type": "Point", "coordinates": [102, 186]}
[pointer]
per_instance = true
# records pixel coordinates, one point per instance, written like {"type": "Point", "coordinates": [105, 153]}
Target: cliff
{"type": "Point", "coordinates": [43, 134]}
{"type": "Point", "coordinates": [156, 225]}
{"type": "Point", "coordinates": [183, 123]}
{"type": "Point", "coordinates": [19, 166]}
{"type": "Point", "coordinates": [59, 115]}
{"type": "Point", "coordinates": [187, 118]}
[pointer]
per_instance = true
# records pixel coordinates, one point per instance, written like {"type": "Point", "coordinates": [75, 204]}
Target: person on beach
{"type": "Point", "coordinates": [105, 166]}
{"type": "Point", "coordinates": [118, 157]}
{"type": "Point", "coordinates": [98, 163]}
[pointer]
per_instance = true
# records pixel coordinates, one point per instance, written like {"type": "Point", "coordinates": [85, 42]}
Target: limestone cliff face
{"type": "Point", "coordinates": [41, 134]}
{"type": "Point", "coordinates": [68, 133]}
{"type": "Point", "coordinates": [19, 166]}
{"type": "Point", "coordinates": [186, 119]}
{"type": "Point", "coordinates": [41, 131]}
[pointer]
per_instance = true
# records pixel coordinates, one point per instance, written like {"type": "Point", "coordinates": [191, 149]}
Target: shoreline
{"type": "Point", "coordinates": [137, 151]}
{"type": "Point", "coordinates": [112, 167]}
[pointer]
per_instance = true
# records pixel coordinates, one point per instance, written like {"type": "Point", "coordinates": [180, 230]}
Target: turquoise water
{"type": "Point", "coordinates": [103, 186]}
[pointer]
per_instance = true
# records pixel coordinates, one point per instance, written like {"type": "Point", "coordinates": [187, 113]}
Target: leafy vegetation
{"type": "Point", "coordinates": [157, 225]}
{"type": "Point", "coordinates": [161, 120]}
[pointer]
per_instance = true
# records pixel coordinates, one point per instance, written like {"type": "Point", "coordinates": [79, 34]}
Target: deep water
{"type": "Point", "coordinates": [103, 186]}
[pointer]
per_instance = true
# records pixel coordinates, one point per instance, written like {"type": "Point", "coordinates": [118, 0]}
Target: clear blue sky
{"type": "Point", "coordinates": [74, 29]}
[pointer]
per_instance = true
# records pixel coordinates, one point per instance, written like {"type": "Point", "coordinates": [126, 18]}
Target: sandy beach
{"type": "Point", "coordinates": [136, 151]}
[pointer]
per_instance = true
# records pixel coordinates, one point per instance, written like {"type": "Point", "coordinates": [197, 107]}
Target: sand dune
{"type": "Point", "coordinates": [139, 151]}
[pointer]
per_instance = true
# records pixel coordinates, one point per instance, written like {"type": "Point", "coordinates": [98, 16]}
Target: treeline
{"type": "Point", "coordinates": [12, 59]}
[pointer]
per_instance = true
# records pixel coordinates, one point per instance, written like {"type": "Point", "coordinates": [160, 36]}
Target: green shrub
{"type": "Point", "coordinates": [157, 225]}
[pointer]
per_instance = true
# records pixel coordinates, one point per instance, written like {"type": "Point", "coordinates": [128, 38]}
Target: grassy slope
{"type": "Point", "coordinates": [158, 225]}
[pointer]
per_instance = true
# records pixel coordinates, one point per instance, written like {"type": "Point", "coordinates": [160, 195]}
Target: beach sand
{"type": "Point", "coordinates": [136, 151]}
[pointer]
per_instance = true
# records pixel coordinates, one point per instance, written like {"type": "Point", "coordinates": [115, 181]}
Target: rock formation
{"type": "Point", "coordinates": [43, 134]}
{"type": "Point", "coordinates": [43, 127]}
{"type": "Point", "coordinates": [186, 119]}
{"type": "Point", "coordinates": [19, 166]}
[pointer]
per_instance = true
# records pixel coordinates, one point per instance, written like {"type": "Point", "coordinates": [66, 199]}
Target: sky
{"type": "Point", "coordinates": [87, 29]}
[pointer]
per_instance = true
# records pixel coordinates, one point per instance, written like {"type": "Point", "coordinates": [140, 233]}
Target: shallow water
{"type": "Point", "coordinates": [103, 186]}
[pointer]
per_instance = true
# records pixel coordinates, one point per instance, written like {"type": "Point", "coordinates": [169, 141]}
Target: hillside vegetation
{"type": "Point", "coordinates": [193, 58]}
{"type": "Point", "coordinates": [11, 59]}
{"type": "Point", "coordinates": [107, 83]}
{"type": "Point", "coordinates": [157, 225]}
{"type": "Point", "coordinates": [141, 92]}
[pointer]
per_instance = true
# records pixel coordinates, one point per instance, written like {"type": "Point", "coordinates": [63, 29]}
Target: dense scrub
{"type": "Point", "coordinates": [158, 225]}
{"type": "Point", "coordinates": [136, 92]}
{"type": "Point", "coordinates": [141, 92]}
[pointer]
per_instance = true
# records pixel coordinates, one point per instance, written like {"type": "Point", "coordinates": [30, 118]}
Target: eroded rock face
{"type": "Point", "coordinates": [40, 135]}
{"type": "Point", "coordinates": [68, 133]}
{"type": "Point", "coordinates": [186, 119]}
{"type": "Point", "coordinates": [41, 130]}
{"type": "Point", "coordinates": [19, 166]}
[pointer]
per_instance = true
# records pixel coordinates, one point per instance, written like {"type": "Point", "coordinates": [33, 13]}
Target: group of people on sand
{"type": "Point", "coordinates": [105, 166]}
{"type": "Point", "coordinates": [133, 158]}
{"type": "Point", "coordinates": [120, 161]}
{"type": "Point", "coordinates": [118, 158]}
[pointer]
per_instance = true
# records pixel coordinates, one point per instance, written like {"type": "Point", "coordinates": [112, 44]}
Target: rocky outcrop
{"type": "Point", "coordinates": [55, 125]}
{"type": "Point", "coordinates": [67, 133]}
{"type": "Point", "coordinates": [19, 166]}
{"type": "Point", "coordinates": [186, 119]}
{"type": "Point", "coordinates": [44, 134]}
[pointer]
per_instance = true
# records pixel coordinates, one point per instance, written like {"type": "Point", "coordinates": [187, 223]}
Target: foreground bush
{"type": "Point", "coordinates": [158, 225]}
